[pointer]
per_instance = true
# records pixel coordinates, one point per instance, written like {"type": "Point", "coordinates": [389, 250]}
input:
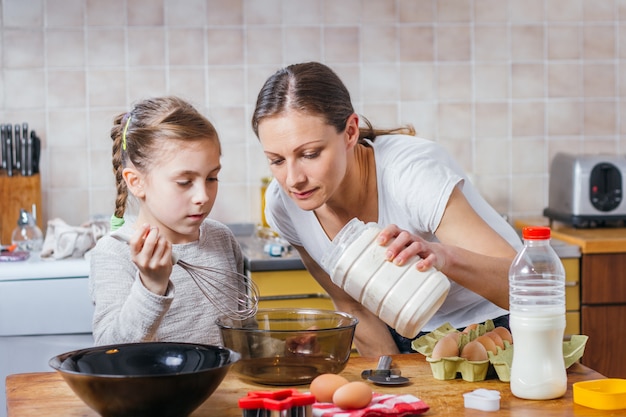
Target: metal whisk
{"type": "Point", "coordinates": [239, 295]}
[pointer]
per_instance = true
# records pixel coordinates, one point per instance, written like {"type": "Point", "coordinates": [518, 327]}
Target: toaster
{"type": "Point", "coordinates": [587, 190]}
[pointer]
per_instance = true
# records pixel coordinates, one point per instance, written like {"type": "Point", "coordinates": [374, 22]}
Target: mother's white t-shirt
{"type": "Point", "coordinates": [415, 179]}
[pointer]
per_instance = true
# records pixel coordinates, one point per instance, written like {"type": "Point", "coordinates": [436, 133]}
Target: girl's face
{"type": "Point", "coordinates": [307, 156]}
{"type": "Point", "coordinates": [179, 188]}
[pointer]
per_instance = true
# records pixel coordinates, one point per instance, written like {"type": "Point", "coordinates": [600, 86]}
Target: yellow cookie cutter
{"type": "Point", "coordinates": [601, 394]}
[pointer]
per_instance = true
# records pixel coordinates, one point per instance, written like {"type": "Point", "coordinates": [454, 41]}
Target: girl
{"type": "Point", "coordinates": [328, 170]}
{"type": "Point", "coordinates": [167, 156]}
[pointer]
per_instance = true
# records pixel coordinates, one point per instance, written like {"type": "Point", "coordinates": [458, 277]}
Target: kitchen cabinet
{"type": "Point", "coordinates": [572, 295]}
{"type": "Point", "coordinates": [570, 257]}
{"type": "Point", "coordinates": [17, 192]}
{"type": "Point", "coordinates": [602, 293]}
{"type": "Point", "coordinates": [290, 288]}
{"type": "Point", "coordinates": [603, 311]}
{"type": "Point", "coordinates": [45, 310]}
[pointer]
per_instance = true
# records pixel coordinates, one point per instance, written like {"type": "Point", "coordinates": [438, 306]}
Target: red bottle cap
{"type": "Point", "coordinates": [536, 233]}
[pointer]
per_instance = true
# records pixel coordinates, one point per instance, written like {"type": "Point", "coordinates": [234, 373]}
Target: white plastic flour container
{"type": "Point", "coordinates": [401, 296]}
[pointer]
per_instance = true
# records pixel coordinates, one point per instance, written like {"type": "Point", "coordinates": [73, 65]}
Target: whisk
{"type": "Point", "coordinates": [234, 301]}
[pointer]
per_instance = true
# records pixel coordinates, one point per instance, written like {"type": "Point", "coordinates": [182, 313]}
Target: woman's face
{"type": "Point", "coordinates": [179, 188]}
{"type": "Point", "coordinates": [307, 156]}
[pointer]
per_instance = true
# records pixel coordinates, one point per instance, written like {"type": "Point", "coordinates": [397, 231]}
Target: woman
{"type": "Point", "coordinates": [328, 170]}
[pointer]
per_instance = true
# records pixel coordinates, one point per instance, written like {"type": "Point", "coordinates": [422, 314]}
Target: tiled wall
{"type": "Point", "coordinates": [503, 84]}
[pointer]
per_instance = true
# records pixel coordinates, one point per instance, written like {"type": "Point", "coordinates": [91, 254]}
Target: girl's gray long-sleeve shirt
{"type": "Point", "coordinates": [126, 312]}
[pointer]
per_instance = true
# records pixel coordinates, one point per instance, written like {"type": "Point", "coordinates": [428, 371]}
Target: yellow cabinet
{"type": "Point", "coordinates": [572, 295]}
{"type": "Point", "coordinates": [290, 288]}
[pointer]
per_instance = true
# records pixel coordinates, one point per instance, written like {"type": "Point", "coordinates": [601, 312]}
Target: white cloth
{"type": "Point", "coordinates": [65, 241]}
{"type": "Point", "coordinates": [415, 179]}
{"type": "Point", "coordinates": [126, 312]}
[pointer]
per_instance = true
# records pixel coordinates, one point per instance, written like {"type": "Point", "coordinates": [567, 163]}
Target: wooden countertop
{"type": "Point", "coordinates": [592, 240]}
{"type": "Point", "coordinates": [46, 394]}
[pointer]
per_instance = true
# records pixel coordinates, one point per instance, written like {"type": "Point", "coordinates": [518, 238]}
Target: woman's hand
{"type": "Point", "coordinates": [152, 254]}
{"type": "Point", "coordinates": [402, 246]}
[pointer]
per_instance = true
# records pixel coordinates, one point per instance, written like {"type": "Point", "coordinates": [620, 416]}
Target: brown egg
{"type": "Point", "coordinates": [470, 327]}
{"type": "Point", "coordinates": [324, 386]}
{"type": "Point", "coordinates": [446, 347]}
{"type": "Point", "coordinates": [353, 395]}
{"type": "Point", "coordinates": [474, 351]}
{"type": "Point", "coordinates": [504, 334]}
{"type": "Point", "coordinates": [496, 338]}
{"type": "Point", "coordinates": [487, 342]}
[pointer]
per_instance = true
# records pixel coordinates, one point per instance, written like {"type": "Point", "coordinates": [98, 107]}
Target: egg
{"type": "Point", "coordinates": [474, 351]}
{"type": "Point", "coordinates": [446, 347]}
{"type": "Point", "coordinates": [504, 333]}
{"type": "Point", "coordinates": [324, 386]}
{"type": "Point", "coordinates": [496, 339]}
{"type": "Point", "coordinates": [488, 343]}
{"type": "Point", "coordinates": [470, 327]}
{"type": "Point", "coordinates": [353, 395]}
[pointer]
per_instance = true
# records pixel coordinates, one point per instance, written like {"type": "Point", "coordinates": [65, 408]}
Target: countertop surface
{"type": "Point", "coordinates": [591, 240]}
{"type": "Point", "coordinates": [37, 268]}
{"type": "Point", "coordinates": [47, 395]}
{"type": "Point", "coordinates": [253, 243]}
{"type": "Point", "coordinates": [256, 258]}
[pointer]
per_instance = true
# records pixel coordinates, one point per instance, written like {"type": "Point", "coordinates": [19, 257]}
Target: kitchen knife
{"type": "Point", "coordinates": [10, 149]}
{"type": "Point", "coordinates": [23, 155]}
{"type": "Point", "coordinates": [3, 145]}
{"type": "Point", "coordinates": [17, 144]}
{"type": "Point", "coordinates": [29, 155]}
{"type": "Point", "coordinates": [36, 151]}
{"type": "Point", "coordinates": [26, 152]}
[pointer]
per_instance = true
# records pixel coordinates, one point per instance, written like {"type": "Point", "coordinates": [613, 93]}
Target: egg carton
{"type": "Point", "coordinates": [497, 363]}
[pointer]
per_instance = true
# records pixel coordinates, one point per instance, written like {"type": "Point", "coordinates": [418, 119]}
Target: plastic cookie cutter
{"type": "Point", "coordinates": [281, 403]}
{"type": "Point", "coordinates": [601, 394]}
{"type": "Point", "coordinates": [483, 399]}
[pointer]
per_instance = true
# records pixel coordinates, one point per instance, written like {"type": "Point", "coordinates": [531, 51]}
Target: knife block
{"type": "Point", "coordinates": [18, 192]}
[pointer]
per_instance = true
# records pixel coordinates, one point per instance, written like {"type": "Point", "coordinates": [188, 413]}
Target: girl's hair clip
{"type": "Point", "coordinates": [128, 117]}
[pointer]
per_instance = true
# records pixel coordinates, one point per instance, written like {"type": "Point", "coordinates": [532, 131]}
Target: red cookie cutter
{"type": "Point", "coordinates": [271, 403]}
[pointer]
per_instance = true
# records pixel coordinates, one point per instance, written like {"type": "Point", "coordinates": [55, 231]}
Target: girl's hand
{"type": "Point", "coordinates": [152, 254]}
{"type": "Point", "coordinates": [402, 246]}
{"type": "Point", "coordinates": [305, 344]}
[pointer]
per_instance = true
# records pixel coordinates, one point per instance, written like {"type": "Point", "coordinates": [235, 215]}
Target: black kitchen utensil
{"type": "Point", "coordinates": [3, 144]}
{"type": "Point", "coordinates": [36, 151]}
{"type": "Point", "coordinates": [17, 144]}
{"type": "Point", "coordinates": [10, 149]}
{"type": "Point", "coordinates": [29, 155]}
{"type": "Point", "coordinates": [383, 374]}
{"type": "Point", "coordinates": [27, 165]}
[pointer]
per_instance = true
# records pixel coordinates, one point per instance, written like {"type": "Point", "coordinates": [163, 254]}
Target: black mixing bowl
{"type": "Point", "coordinates": [145, 379]}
